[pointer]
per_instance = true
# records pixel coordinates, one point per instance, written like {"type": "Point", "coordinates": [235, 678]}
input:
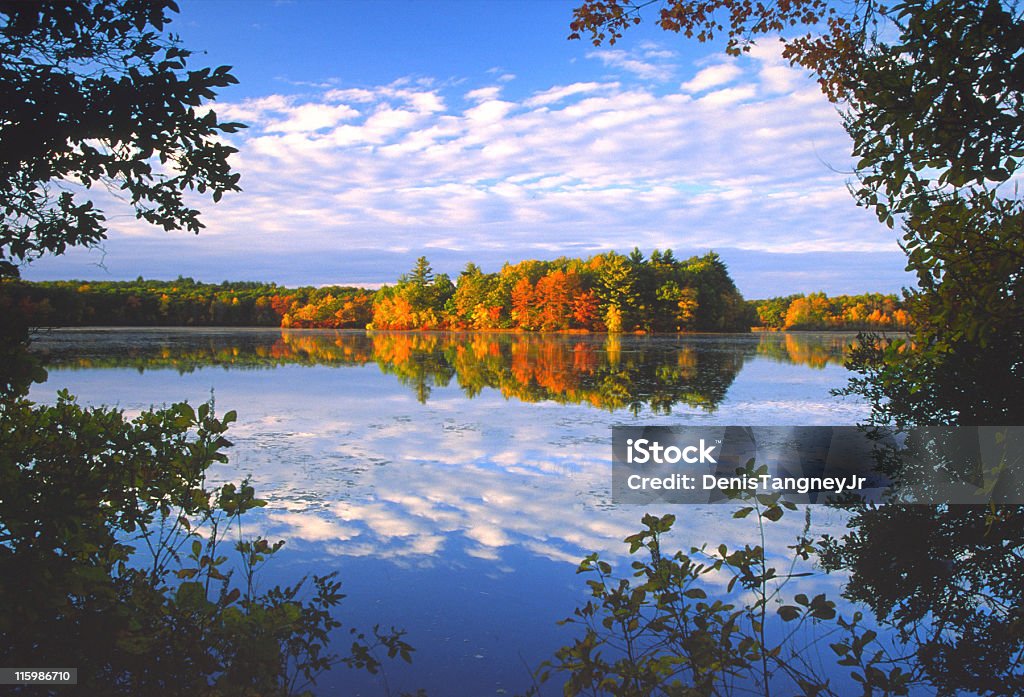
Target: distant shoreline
{"type": "Point", "coordinates": [608, 293]}
{"type": "Point", "coordinates": [522, 332]}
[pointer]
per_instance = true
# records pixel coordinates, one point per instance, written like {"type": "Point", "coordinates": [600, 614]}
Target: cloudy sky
{"type": "Point", "coordinates": [474, 131]}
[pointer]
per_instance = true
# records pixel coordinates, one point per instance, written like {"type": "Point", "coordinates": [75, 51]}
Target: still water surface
{"type": "Point", "coordinates": [456, 480]}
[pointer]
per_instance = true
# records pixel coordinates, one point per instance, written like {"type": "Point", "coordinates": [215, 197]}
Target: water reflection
{"type": "Point", "coordinates": [816, 350]}
{"type": "Point", "coordinates": [484, 442]}
{"type": "Point", "coordinates": [609, 372]}
{"type": "Point", "coordinates": [455, 480]}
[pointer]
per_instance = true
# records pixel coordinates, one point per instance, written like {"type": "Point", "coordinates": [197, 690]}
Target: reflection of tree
{"type": "Point", "coordinates": [420, 361]}
{"type": "Point", "coordinates": [815, 351]}
{"type": "Point", "coordinates": [950, 577]}
{"type": "Point", "coordinates": [608, 372]}
{"type": "Point", "coordinates": [186, 352]}
{"type": "Point", "coordinates": [605, 371]}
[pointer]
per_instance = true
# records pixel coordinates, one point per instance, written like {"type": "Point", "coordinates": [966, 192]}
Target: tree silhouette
{"type": "Point", "coordinates": [92, 95]}
{"type": "Point", "coordinates": [933, 99]}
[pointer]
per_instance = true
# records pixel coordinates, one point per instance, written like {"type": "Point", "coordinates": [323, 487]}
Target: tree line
{"type": "Point", "coordinates": [608, 292]}
{"type": "Point", "coordinates": [817, 311]}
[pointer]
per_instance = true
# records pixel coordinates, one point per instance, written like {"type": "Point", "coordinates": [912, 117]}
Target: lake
{"type": "Point", "coordinates": [455, 481]}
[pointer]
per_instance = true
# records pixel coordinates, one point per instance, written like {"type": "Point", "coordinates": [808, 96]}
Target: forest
{"type": "Point", "coordinates": [608, 292]}
{"type": "Point", "coordinates": [930, 93]}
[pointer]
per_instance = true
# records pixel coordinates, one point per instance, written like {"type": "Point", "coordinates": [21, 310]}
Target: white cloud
{"type": "Point", "coordinates": [250, 110]}
{"type": "Point", "coordinates": [560, 92]}
{"type": "Point", "coordinates": [310, 117]}
{"type": "Point", "coordinates": [350, 95]}
{"type": "Point", "coordinates": [729, 95]}
{"type": "Point", "coordinates": [483, 94]}
{"type": "Point", "coordinates": [425, 102]}
{"type": "Point", "coordinates": [775, 73]}
{"type": "Point", "coordinates": [647, 66]}
{"type": "Point", "coordinates": [745, 154]}
{"type": "Point", "coordinates": [489, 111]}
{"type": "Point", "coordinates": [712, 77]}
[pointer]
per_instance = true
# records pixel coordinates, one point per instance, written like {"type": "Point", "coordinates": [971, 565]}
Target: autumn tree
{"type": "Point", "coordinates": [808, 312]}
{"type": "Point", "coordinates": [469, 302]}
{"type": "Point", "coordinates": [586, 311]}
{"type": "Point", "coordinates": [524, 305]}
{"type": "Point", "coordinates": [870, 311]}
{"type": "Point", "coordinates": [556, 293]}
{"type": "Point", "coordinates": [771, 313]}
{"type": "Point", "coordinates": [417, 301]}
{"type": "Point", "coordinates": [332, 307]}
{"type": "Point", "coordinates": [617, 288]}
{"type": "Point", "coordinates": [719, 305]}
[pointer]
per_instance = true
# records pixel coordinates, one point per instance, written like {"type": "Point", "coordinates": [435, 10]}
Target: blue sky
{"type": "Point", "coordinates": [474, 131]}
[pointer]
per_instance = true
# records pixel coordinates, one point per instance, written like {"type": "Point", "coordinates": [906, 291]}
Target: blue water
{"type": "Point", "coordinates": [459, 519]}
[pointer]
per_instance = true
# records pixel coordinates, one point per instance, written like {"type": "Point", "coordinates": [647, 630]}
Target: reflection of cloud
{"type": "Point", "coordinates": [453, 478]}
{"type": "Point", "coordinates": [361, 477]}
{"type": "Point", "coordinates": [311, 527]}
{"type": "Point", "coordinates": [487, 535]}
{"type": "Point", "coordinates": [487, 553]}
